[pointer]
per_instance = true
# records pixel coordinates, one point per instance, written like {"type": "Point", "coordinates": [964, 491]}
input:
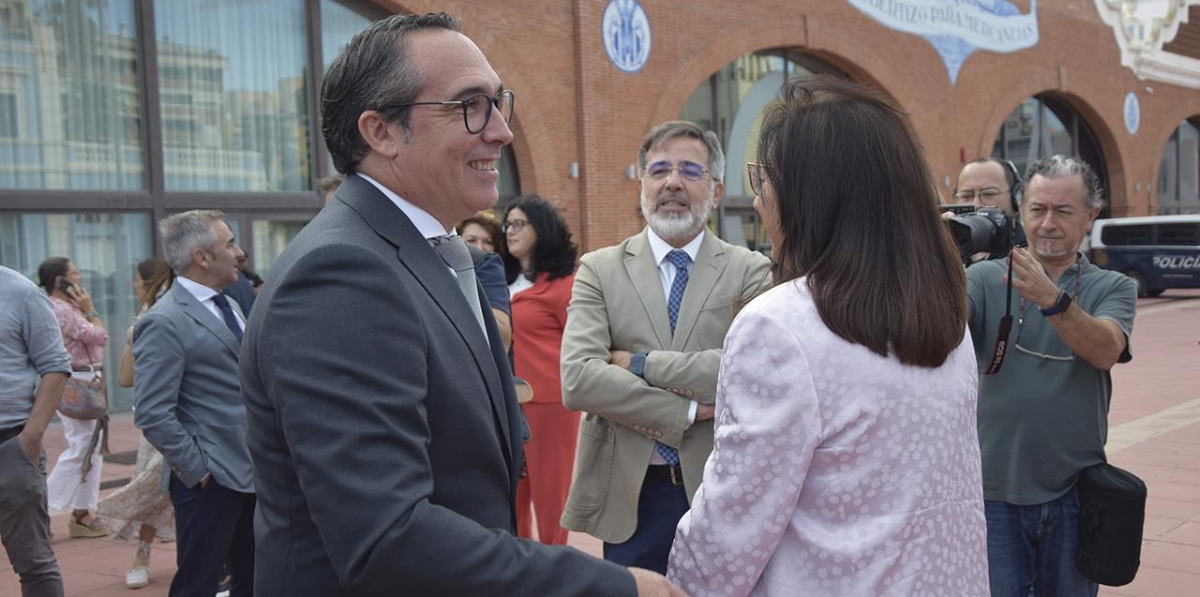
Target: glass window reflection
{"type": "Point", "coordinates": [270, 238]}
{"type": "Point", "coordinates": [234, 103]}
{"type": "Point", "coordinates": [70, 109]}
{"type": "Point", "coordinates": [106, 248]}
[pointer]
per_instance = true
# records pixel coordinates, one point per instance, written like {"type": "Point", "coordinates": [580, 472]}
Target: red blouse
{"type": "Point", "coordinates": [539, 316]}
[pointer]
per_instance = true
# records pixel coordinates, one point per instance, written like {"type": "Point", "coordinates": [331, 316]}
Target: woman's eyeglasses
{"type": "Point", "coordinates": [755, 171]}
{"type": "Point", "coordinates": [513, 225]}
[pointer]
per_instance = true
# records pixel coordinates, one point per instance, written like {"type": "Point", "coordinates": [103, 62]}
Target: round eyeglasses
{"type": "Point", "coordinates": [476, 110]}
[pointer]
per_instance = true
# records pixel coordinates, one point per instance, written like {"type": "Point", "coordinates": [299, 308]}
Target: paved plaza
{"type": "Point", "coordinates": [1155, 432]}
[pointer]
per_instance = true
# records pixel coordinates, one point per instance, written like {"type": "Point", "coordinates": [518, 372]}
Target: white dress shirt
{"type": "Point", "coordinates": [205, 295]}
{"type": "Point", "coordinates": [429, 227]}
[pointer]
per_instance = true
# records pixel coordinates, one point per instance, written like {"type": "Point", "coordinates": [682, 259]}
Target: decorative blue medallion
{"type": "Point", "coordinates": [1133, 113]}
{"type": "Point", "coordinates": [626, 32]}
{"type": "Point", "coordinates": [957, 28]}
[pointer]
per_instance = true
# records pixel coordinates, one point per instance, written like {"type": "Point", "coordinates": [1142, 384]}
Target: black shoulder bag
{"type": "Point", "coordinates": [1112, 511]}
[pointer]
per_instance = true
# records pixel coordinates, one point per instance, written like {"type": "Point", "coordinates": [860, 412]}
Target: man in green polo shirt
{"type": "Point", "coordinates": [1043, 417]}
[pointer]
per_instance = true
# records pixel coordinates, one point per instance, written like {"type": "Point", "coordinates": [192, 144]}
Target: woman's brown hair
{"type": "Point", "coordinates": [858, 214]}
{"type": "Point", "coordinates": [488, 221]}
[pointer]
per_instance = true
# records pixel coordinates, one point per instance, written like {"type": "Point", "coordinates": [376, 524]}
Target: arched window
{"type": "Point", "coordinates": [732, 103]}
{"type": "Point", "coordinates": [1044, 125]}
{"type": "Point", "coordinates": [1179, 173]}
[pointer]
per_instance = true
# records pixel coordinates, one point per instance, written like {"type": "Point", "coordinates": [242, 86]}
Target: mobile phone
{"type": "Point", "coordinates": [64, 285]}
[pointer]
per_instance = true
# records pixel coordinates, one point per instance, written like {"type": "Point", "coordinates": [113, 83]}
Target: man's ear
{"type": "Point", "coordinates": [718, 192]}
{"type": "Point", "coordinates": [200, 257]}
{"type": "Point", "coordinates": [381, 135]}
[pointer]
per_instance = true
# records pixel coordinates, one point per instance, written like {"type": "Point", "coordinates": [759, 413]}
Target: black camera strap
{"type": "Point", "coordinates": [1001, 348]}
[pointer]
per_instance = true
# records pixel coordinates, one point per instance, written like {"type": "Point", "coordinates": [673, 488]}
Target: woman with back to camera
{"type": "Point", "coordinates": [84, 336]}
{"type": "Point", "coordinates": [540, 267]}
{"type": "Point", "coordinates": [141, 504]}
{"type": "Point", "coordinates": [846, 457]}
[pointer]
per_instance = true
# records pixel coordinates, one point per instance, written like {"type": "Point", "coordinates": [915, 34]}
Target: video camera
{"type": "Point", "coordinates": [986, 230]}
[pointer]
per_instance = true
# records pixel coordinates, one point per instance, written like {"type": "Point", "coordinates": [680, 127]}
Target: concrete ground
{"type": "Point", "coordinates": [1155, 432]}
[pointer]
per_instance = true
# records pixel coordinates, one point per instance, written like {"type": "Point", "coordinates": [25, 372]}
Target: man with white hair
{"type": "Point", "coordinates": [642, 348]}
{"type": "Point", "coordinates": [189, 405]}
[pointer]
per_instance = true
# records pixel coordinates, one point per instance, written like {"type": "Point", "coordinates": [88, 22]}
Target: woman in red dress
{"type": "Point", "coordinates": [540, 266]}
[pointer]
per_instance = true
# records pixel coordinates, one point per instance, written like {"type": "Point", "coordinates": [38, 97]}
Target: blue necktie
{"type": "Point", "coordinates": [227, 314]}
{"type": "Point", "coordinates": [682, 262]}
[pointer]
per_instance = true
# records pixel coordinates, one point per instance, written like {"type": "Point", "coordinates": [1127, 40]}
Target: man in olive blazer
{"type": "Point", "coordinates": [639, 381]}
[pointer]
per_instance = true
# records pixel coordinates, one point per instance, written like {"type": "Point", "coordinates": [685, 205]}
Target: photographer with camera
{"type": "Point", "coordinates": [1044, 397]}
{"type": "Point", "coordinates": [991, 185]}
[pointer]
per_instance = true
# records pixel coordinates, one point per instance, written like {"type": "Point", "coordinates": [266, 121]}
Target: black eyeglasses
{"type": "Point", "coordinates": [514, 225]}
{"type": "Point", "coordinates": [689, 170]}
{"type": "Point", "coordinates": [476, 110]}
{"type": "Point", "coordinates": [755, 171]}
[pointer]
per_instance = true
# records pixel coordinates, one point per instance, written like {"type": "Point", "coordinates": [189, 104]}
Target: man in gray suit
{"type": "Point", "coordinates": [189, 405]}
{"type": "Point", "coordinates": [386, 439]}
{"type": "Point", "coordinates": [642, 347]}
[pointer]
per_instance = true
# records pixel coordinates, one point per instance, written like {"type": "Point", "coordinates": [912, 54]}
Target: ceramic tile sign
{"type": "Point", "coordinates": [626, 32]}
{"type": "Point", "coordinates": [1133, 113]}
{"type": "Point", "coordinates": [957, 28]}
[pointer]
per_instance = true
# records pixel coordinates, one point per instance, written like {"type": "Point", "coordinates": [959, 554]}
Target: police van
{"type": "Point", "coordinates": [1158, 252]}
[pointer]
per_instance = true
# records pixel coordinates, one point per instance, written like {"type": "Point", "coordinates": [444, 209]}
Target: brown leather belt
{"type": "Point", "coordinates": [664, 473]}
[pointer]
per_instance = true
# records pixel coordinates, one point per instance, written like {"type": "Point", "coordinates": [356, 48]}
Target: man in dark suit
{"type": "Point", "coordinates": [384, 435]}
{"type": "Point", "coordinates": [189, 405]}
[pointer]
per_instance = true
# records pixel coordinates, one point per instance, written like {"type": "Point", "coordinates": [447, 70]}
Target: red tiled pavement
{"type": "Point", "coordinates": [1162, 375]}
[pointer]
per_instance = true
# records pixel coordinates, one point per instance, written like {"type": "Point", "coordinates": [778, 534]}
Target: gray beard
{"type": "Point", "coordinates": [672, 227]}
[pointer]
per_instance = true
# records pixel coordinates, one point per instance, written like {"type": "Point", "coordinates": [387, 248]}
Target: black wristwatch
{"type": "Point", "coordinates": [637, 364]}
{"type": "Point", "coordinates": [1059, 306]}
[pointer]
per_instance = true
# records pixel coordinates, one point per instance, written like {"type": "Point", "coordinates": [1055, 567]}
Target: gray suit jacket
{"type": "Point", "coordinates": [385, 437]}
{"type": "Point", "coordinates": [186, 392]}
{"type": "Point", "coordinates": [618, 303]}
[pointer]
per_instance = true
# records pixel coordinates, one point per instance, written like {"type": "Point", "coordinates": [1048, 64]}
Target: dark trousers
{"type": "Point", "coordinates": [660, 506]}
{"type": "Point", "coordinates": [213, 526]}
{"type": "Point", "coordinates": [24, 522]}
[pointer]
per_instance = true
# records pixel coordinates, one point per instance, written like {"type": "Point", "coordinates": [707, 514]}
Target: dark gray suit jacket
{"type": "Point", "coordinates": [384, 435]}
{"type": "Point", "coordinates": [185, 389]}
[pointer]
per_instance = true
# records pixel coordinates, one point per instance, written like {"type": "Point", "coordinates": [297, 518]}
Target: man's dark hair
{"type": "Point", "coordinates": [1010, 171]}
{"type": "Point", "coordinates": [857, 209]}
{"type": "Point", "coordinates": [372, 73]}
{"type": "Point", "coordinates": [553, 253]}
